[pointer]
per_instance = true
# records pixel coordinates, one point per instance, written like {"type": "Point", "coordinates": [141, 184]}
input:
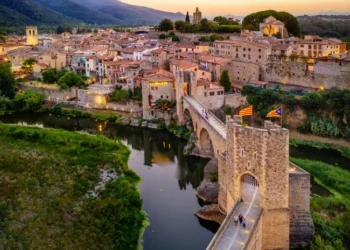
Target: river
{"type": "Point", "coordinates": [168, 177]}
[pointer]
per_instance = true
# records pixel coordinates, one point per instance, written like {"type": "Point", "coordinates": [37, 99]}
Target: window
{"type": "Point", "coordinates": [259, 50]}
{"type": "Point", "coordinates": [248, 49]}
{"type": "Point", "coordinates": [205, 93]}
{"type": "Point", "coordinates": [243, 49]}
{"type": "Point", "coordinates": [161, 97]}
{"type": "Point", "coordinates": [243, 55]}
{"type": "Point", "coordinates": [211, 93]}
{"type": "Point", "coordinates": [237, 78]}
{"type": "Point", "coordinates": [236, 49]}
{"type": "Point", "coordinates": [203, 73]}
{"type": "Point", "coordinates": [195, 69]}
{"type": "Point", "coordinates": [259, 57]}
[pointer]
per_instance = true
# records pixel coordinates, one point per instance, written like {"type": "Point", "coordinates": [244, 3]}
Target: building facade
{"type": "Point", "coordinates": [197, 16]}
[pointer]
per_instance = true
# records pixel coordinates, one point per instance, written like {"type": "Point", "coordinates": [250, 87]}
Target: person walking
{"type": "Point", "coordinates": [235, 219]}
{"type": "Point", "coordinates": [206, 115]}
{"type": "Point", "coordinates": [243, 223]}
{"type": "Point", "coordinates": [240, 216]}
{"type": "Point", "coordinates": [203, 113]}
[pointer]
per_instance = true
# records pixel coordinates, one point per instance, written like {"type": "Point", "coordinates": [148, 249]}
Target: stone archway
{"type": "Point", "coordinates": [205, 144]}
{"type": "Point", "coordinates": [250, 189]}
{"type": "Point", "coordinates": [188, 120]}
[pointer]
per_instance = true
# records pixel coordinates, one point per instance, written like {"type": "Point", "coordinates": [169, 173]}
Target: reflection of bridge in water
{"type": "Point", "coordinates": [255, 179]}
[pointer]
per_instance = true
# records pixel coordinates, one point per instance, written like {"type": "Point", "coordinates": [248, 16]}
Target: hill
{"type": "Point", "coordinates": [132, 14]}
{"type": "Point", "coordinates": [29, 12]}
{"type": "Point", "coordinates": [18, 13]}
{"type": "Point", "coordinates": [77, 11]}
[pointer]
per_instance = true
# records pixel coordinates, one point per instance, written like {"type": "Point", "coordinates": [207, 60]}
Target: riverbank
{"type": "Point", "coordinates": [340, 145]}
{"type": "Point", "coordinates": [331, 215]}
{"type": "Point", "coordinates": [67, 190]}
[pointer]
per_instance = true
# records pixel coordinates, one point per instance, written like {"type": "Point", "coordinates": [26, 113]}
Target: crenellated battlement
{"type": "Point", "coordinates": [270, 129]}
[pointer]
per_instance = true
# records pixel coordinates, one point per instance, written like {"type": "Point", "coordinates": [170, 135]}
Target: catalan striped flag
{"type": "Point", "coordinates": [275, 113]}
{"type": "Point", "coordinates": [247, 111]}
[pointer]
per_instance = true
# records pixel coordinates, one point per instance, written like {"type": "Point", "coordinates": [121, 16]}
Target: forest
{"type": "Point", "coordinates": [337, 26]}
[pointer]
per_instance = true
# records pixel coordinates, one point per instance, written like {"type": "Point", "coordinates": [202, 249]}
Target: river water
{"type": "Point", "coordinates": [168, 177]}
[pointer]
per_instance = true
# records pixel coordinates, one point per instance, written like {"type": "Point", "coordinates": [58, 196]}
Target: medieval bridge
{"type": "Point", "coordinates": [256, 180]}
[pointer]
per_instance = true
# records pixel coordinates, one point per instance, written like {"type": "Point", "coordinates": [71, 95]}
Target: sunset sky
{"type": "Point", "coordinates": [244, 7]}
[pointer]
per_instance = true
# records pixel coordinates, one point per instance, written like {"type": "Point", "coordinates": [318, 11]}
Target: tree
{"type": "Point", "coordinates": [29, 100]}
{"type": "Point", "coordinates": [120, 94]}
{"type": "Point", "coordinates": [27, 65]}
{"type": "Point", "coordinates": [187, 20]}
{"type": "Point", "coordinates": [95, 31]}
{"type": "Point", "coordinates": [225, 81]}
{"type": "Point", "coordinates": [162, 36]}
{"type": "Point", "coordinates": [50, 75]}
{"type": "Point", "coordinates": [205, 25]}
{"type": "Point", "coordinates": [2, 38]}
{"type": "Point", "coordinates": [60, 30]}
{"type": "Point", "coordinates": [221, 20]}
{"type": "Point", "coordinates": [70, 79]}
{"type": "Point", "coordinates": [179, 25]}
{"type": "Point", "coordinates": [166, 25]}
{"type": "Point", "coordinates": [7, 81]}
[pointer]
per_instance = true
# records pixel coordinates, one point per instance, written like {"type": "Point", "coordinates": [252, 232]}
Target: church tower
{"type": "Point", "coordinates": [32, 35]}
{"type": "Point", "coordinates": [197, 16]}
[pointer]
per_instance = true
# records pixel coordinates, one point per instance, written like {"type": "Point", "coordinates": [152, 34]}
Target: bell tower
{"type": "Point", "coordinates": [32, 35]}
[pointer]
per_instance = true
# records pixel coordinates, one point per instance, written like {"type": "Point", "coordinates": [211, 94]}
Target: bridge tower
{"type": "Point", "coordinates": [258, 157]}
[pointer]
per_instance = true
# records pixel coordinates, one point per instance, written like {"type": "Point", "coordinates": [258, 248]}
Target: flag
{"type": "Point", "coordinates": [275, 113]}
{"type": "Point", "coordinates": [247, 111]}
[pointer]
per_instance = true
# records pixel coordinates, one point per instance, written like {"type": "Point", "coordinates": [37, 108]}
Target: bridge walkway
{"type": "Point", "coordinates": [213, 121]}
{"type": "Point", "coordinates": [232, 237]}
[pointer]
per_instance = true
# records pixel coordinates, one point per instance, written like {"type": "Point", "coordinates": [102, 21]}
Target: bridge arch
{"type": "Point", "coordinates": [189, 122]}
{"type": "Point", "coordinates": [205, 143]}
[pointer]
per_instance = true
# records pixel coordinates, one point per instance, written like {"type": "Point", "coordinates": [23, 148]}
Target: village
{"type": "Point", "coordinates": [145, 66]}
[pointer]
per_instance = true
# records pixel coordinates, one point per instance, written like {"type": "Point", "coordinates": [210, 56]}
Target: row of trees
{"type": "Point", "coordinates": [206, 26]}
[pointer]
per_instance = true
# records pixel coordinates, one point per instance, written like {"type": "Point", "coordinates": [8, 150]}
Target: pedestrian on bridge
{"type": "Point", "coordinates": [243, 223]}
{"type": "Point", "coordinates": [240, 216]}
{"type": "Point", "coordinates": [235, 219]}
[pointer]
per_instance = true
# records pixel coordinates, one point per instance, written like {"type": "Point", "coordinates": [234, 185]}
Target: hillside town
{"type": "Point", "coordinates": [138, 60]}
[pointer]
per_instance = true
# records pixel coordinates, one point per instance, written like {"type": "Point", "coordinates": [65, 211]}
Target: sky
{"type": "Point", "coordinates": [245, 7]}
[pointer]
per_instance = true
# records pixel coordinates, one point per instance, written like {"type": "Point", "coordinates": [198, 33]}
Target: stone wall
{"type": "Point", "coordinates": [84, 98]}
{"type": "Point", "coordinates": [234, 100]}
{"type": "Point", "coordinates": [296, 73]}
{"type": "Point", "coordinates": [301, 224]}
{"type": "Point", "coordinates": [51, 94]}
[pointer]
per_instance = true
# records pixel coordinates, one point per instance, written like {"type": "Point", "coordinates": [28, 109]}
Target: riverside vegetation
{"type": "Point", "coordinates": [331, 215]}
{"type": "Point", "coordinates": [53, 194]}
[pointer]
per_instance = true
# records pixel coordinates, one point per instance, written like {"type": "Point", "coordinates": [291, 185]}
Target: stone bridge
{"type": "Point", "coordinates": [256, 180]}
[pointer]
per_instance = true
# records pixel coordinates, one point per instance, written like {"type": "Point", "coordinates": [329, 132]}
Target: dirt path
{"type": "Point", "coordinates": [314, 138]}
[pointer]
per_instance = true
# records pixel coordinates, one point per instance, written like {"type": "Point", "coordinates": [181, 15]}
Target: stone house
{"type": "Point", "coordinates": [271, 26]}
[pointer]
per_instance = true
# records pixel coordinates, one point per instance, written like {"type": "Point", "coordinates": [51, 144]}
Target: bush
{"type": "Point", "coordinates": [50, 75]}
{"type": "Point", "coordinates": [228, 111]}
{"type": "Point", "coordinates": [214, 177]}
{"type": "Point", "coordinates": [120, 94]}
{"type": "Point", "coordinates": [312, 101]}
{"type": "Point", "coordinates": [70, 79]}
{"type": "Point", "coordinates": [6, 103]}
{"type": "Point", "coordinates": [29, 100]}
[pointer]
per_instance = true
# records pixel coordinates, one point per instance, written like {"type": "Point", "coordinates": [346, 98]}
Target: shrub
{"type": "Point", "coordinates": [70, 79]}
{"type": "Point", "coordinates": [6, 103]}
{"type": "Point", "coordinates": [228, 110]}
{"type": "Point", "coordinates": [312, 101]}
{"type": "Point", "coordinates": [214, 177]}
{"type": "Point", "coordinates": [29, 100]}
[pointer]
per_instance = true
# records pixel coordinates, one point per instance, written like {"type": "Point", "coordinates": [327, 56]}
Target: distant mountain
{"type": "Point", "coordinates": [15, 13]}
{"type": "Point", "coordinates": [74, 10]}
{"type": "Point", "coordinates": [333, 13]}
{"type": "Point", "coordinates": [27, 12]}
{"type": "Point", "coordinates": [132, 14]}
